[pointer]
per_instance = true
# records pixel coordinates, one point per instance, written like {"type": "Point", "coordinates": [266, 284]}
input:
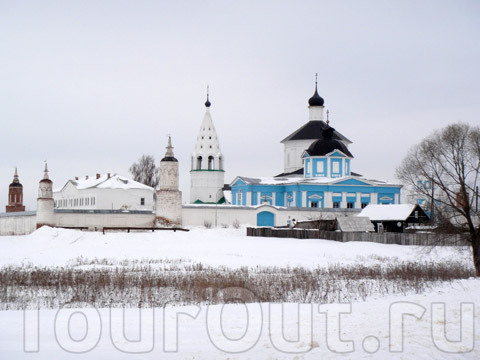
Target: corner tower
{"type": "Point", "coordinates": [15, 195]}
{"type": "Point", "coordinates": [45, 201]}
{"type": "Point", "coordinates": [169, 199]}
{"type": "Point", "coordinates": [207, 173]}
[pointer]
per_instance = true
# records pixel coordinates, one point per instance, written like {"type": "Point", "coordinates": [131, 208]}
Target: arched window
{"type": "Point", "coordinates": [199, 163]}
{"type": "Point", "coordinates": [220, 160]}
{"type": "Point", "coordinates": [210, 162]}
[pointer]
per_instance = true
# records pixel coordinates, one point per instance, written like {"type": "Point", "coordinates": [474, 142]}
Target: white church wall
{"type": "Point", "coordinates": [293, 151]}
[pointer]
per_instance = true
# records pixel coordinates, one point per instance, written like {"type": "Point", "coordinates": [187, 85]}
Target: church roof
{"type": "Point", "coordinates": [207, 140]}
{"type": "Point", "coordinates": [106, 182]}
{"type": "Point", "coordinates": [324, 147]}
{"type": "Point", "coordinates": [316, 100]}
{"type": "Point", "coordinates": [169, 156]}
{"type": "Point", "coordinates": [296, 172]}
{"type": "Point", "coordinates": [313, 181]}
{"type": "Point", "coordinates": [313, 131]}
{"type": "Point", "coordinates": [15, 182]}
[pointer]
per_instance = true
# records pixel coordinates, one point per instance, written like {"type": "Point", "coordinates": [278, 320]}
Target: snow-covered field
{"type": "Point", "coordinates": [228, 247]}
{"type": "Point", "coordinates": [371, 329]}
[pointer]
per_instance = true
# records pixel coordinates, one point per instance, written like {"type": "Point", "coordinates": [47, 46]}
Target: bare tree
{"type": "Point", "coordinates": [450, 160]}
{"type": "Point", "coordinates": [145, 171]}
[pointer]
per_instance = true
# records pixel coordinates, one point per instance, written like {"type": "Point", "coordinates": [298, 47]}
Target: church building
{"type": "Point", "coordinates": [317, 172]}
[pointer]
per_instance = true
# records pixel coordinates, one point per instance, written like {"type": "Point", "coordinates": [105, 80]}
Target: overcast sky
{"type": "Point", "coordinates": [90, 86]}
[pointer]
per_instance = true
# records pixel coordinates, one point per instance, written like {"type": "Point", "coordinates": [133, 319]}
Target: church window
{"type": "Point", "coordinates": [314, 204]}
{"type": "Point", "coordinates": [210, 146]}
{"type": "Point", "coordinates": [202, 137]}
{"type": "Point", "coordinates": [220, 159]}
{"type": "Point", "coordinates": [199, 163]}
{"type": "Point", "coordinates": [210, 137]}
{"type": "Point", "coordinates": [210, 162]}
{"type": "Point", "coordinates": [142, 201]}
{"type": "Point", "coordinates": [336, 205]}
{"type": "Point", "coordinates": [320, 167]}
{"type": "Point", "coordinates": [364, 205]}
{"type": "Point", "coordinates": [240, 197]}
{"type": "Point", "coordinates": [350, 205]}
{"type": "Point", "coordinates": [336, 167]}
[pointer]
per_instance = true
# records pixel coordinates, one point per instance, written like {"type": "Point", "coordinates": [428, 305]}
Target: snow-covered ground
{"type": "Point", "coordinates": [228, 247]}
{"type": "Point", "coordinates": [371, 329]}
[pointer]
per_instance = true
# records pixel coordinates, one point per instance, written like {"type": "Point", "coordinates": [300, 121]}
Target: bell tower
{"type": "Point", "coordinates": [15, 196]}
{"type": "Point", "coordinates": [206, 172]}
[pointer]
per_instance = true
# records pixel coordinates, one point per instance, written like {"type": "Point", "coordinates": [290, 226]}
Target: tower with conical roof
{"type": "Point", "coordinates": [169, 199]}
{"type": "Point", "coordinates": [207, 173]}
{"type": "Point", "coordinates": [45, 201]}
{"type": "Point", "coordinates": [15, 195]}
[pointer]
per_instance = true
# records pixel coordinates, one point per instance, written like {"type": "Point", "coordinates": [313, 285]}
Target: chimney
{"type": "Point", "coordinates": [98, 176]}
{"type": "Point", "coordinates": [108, 176]}
{"type": "Point", "coordinates": [76, 177]}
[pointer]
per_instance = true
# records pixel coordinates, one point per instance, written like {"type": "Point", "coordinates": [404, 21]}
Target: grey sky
{"type": "Point", "coordinates": [92, 85]}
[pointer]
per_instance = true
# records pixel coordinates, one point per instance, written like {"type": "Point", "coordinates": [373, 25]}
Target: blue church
{"type": "Point", "coordinates": [317, 172]}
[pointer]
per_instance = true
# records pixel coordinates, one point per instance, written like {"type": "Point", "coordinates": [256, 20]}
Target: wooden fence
{"type": "Point", "coordinates": [422, 239]}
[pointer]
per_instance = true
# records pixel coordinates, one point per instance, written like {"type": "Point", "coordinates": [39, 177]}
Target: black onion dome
{"type": "Point", "coordinates": [327, 144]}
{"type": "Point", "coordinates": [208, 103]}
{"type": "Point", "coordinates": [316, 100]}
{"type": "Point", "coordinates": [15, 184]}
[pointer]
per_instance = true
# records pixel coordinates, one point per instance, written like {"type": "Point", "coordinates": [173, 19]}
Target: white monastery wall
{"type": "Point", "coordinates": [18, 223]}
{"type": "Point", "coordinates": [97, 221]}
{"type": "Point", "coordinates": [197, 215]}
